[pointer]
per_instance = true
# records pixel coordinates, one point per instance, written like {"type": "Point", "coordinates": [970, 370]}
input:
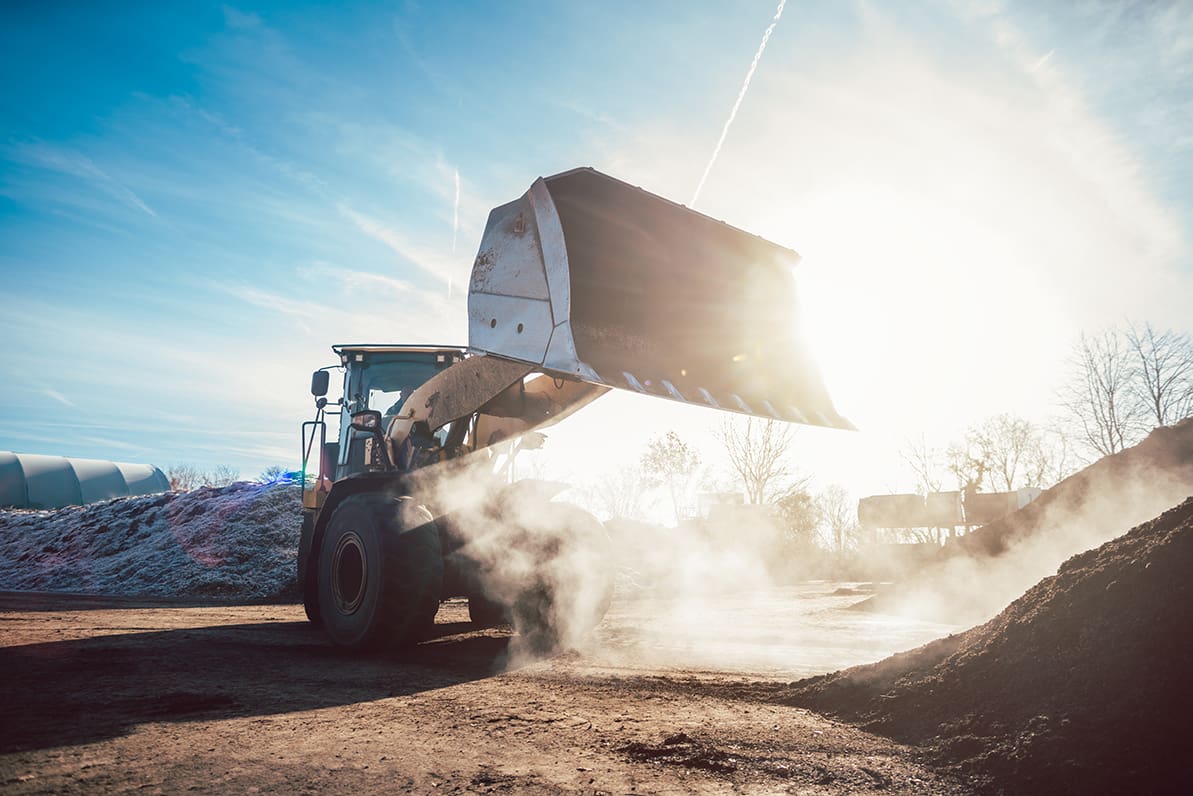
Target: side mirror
{"type": "Point", "coordinates": [369, 421]}
{"type": "Point", "coordinates": [319, 381]}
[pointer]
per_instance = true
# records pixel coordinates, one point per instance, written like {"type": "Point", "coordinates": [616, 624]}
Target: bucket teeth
{"type": "Point", "coordinates": [673, 392]}
{"type": "Point", "coordinates": [708, 399]}
{"type": "Point", "coordinates": [633, 382]}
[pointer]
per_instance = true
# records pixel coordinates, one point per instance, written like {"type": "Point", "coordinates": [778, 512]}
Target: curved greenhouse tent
{"type": "Point", "coordinates": [32, 481]}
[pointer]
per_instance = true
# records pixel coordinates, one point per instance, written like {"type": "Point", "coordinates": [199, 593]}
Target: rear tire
{"type": "Point", "coordinates": [554, 571]}
{"type": "Point", "coordinates": [572, 591]}
{"type": "Point", "coordinates": [380, 572]}
{"type": "Point", "coordinates": [487, 612]}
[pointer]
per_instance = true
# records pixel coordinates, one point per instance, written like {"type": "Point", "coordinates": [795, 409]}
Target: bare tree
{"type": "Point", "coordinates": [272, 474]}
{"type": "Point", "coordinates": [1007, 452]}
{"type": "Point", "coordinates": [221, 475]}
{"type": "Point", "coordinates": [838, 513]}
{"type": "Point", "coordinates": [669, 462]}
{"type": "Point", "coordinates": [925, 462]}
{"type": "Point", "coordinates": [1163, 380]}
{"type": "Point", "coordinates": [800, 516]}
{"type": "Point", "coordinates": [1016, 453]}
{"type": "Point", "coordinates": [967, 462]}
{"type": "Point", "coordinates": [1100, 396]}
{"type": "Point", "coordinates": [756, 450]}
{"type": "Point", "coordinates": [1058, 460]}
{"type": "Point", "coordinates": [619, 493]}
{"type": "Point", "coordinates": [185, 477]}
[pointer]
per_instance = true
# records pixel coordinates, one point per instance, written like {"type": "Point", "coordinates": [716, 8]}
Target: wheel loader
{"type": "Point", "coordinates": [581, 285]}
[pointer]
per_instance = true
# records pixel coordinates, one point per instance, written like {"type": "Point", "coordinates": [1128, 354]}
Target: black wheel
{"type": "Point", "coordinates": [308, 576]}
{"type": "Point", "coordinates": [379, 572]}
{"type": "Point", "coordinates": [572, 589]}
{"type": "Point", "coordinates": [549, 574]}
{"type": "Point", "coordinates": [310, 597]}
{"type": "Point", "coordinates": [487, 612]}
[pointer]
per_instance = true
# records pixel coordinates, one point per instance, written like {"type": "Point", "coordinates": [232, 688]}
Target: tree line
{"type": "Point", "coordinates": [1122, 382]}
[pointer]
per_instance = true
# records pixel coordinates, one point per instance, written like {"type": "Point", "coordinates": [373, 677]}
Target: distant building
{"type": "Point", "coordinates": [32, 481]}
{"type": "Point", "coordinates": [947, 511]}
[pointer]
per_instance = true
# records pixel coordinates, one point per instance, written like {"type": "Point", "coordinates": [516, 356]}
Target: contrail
{"type": "Point", "coordinates": [456, 209]}
{"type": "Point", "coordinates": [745, 86]}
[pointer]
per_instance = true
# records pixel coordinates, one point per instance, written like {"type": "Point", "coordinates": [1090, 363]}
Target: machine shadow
{"type": "Point", "coordinates": [85, 690]}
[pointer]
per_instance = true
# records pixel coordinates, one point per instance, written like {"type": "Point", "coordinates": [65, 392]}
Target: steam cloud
{"type": "Point", "coordinates": [745, 86]}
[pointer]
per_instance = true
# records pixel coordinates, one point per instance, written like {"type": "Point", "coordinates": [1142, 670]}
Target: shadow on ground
{"type": "Point", "coordinates": [84, 690]}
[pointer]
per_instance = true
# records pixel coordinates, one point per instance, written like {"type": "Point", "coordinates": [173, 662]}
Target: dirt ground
{"type": "Point", "coordinates": [101, 695]}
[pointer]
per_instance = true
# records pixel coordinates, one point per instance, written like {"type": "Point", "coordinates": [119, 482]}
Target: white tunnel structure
{"type": "Point", "coordinates": [33, 481]}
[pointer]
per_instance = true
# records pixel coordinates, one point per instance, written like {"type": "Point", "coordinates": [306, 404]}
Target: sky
{"type": "Point", "coordinates": [197, 200]}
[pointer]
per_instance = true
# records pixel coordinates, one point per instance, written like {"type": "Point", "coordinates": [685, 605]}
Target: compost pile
{"type": "Point", "coordinates": [982, 571]}
{"type": "Point", "coordinates": [233, 542]}
{"type": "Point", "coordinates": [1082, 685]}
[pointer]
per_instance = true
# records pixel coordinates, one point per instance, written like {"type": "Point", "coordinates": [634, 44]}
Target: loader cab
{"type": "Point", "coordinates": [380, 378]}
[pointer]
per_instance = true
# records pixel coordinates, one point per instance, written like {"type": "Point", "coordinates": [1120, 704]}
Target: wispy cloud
{"type": "Point", "coordinates": [281, 166]}
{"type": "Point", "coordinates": [1093, 146]}
{"type": "Point", "coordinates": [108, 442]}
{"type": "Point", "coordinates": [59, 397]}
{"type": "Point", "coordinates": [235, 18]}
{"type": "Point", "coordinates": [1040, 63]}
{"type": "Point", "coordinates": [75, 164]}
{"type": "Point", "coordinates": [303, 311]}
{"type": "Point", "coordinates": [741, 95]}
{"type": "Point", "coordinates": [354, 279]}
{"type": "Point", "coordinates": [424, 257]}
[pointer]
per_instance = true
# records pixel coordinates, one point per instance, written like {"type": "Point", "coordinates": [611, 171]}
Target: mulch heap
{"type": "Point", "coordinates": [1082, 685]}
{"type": "Point", "coordinates": [236, 542]}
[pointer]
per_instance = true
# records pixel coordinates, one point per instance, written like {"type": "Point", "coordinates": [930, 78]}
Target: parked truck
{"type": "Point", "coordinates": [581, 285]}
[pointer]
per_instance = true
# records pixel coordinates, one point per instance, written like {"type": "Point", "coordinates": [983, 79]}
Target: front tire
{"type": "Point", "coordinates": [380, 572]}
{"type": "Point", "coordinates": [548, 573]}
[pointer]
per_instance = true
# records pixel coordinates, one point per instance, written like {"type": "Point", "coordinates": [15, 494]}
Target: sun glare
{"type": "Point", "coordinates": [899, 298]}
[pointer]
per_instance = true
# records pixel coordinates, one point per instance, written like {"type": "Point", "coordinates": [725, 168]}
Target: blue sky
{"type": "Point", "coordinates": [197, 200]}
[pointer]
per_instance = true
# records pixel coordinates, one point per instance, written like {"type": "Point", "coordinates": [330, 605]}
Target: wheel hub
{"type": "Point", "coordinates": [349, 573]}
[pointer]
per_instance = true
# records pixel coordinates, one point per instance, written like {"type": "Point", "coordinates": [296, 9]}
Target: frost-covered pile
{"type": "Point", "coordinates": [233, 542]}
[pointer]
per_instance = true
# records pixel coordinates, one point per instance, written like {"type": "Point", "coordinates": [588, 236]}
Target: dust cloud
{"type": "Point", "coordinates": [726, 595]}
{"type": "Point", "coordinates": [729, 594]}
{"type": "Point", "coordinates": [719, 595]}
{"type": "Point", "coordinates": [541, 565]}
{"type": "Point", "coordinates": [979, 574]}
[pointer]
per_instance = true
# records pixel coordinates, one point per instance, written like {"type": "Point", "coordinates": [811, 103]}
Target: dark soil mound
{"type": "Point", "coordinates": [1082, 685]}
{"type": "Point", "coordinates": [984, 570]}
